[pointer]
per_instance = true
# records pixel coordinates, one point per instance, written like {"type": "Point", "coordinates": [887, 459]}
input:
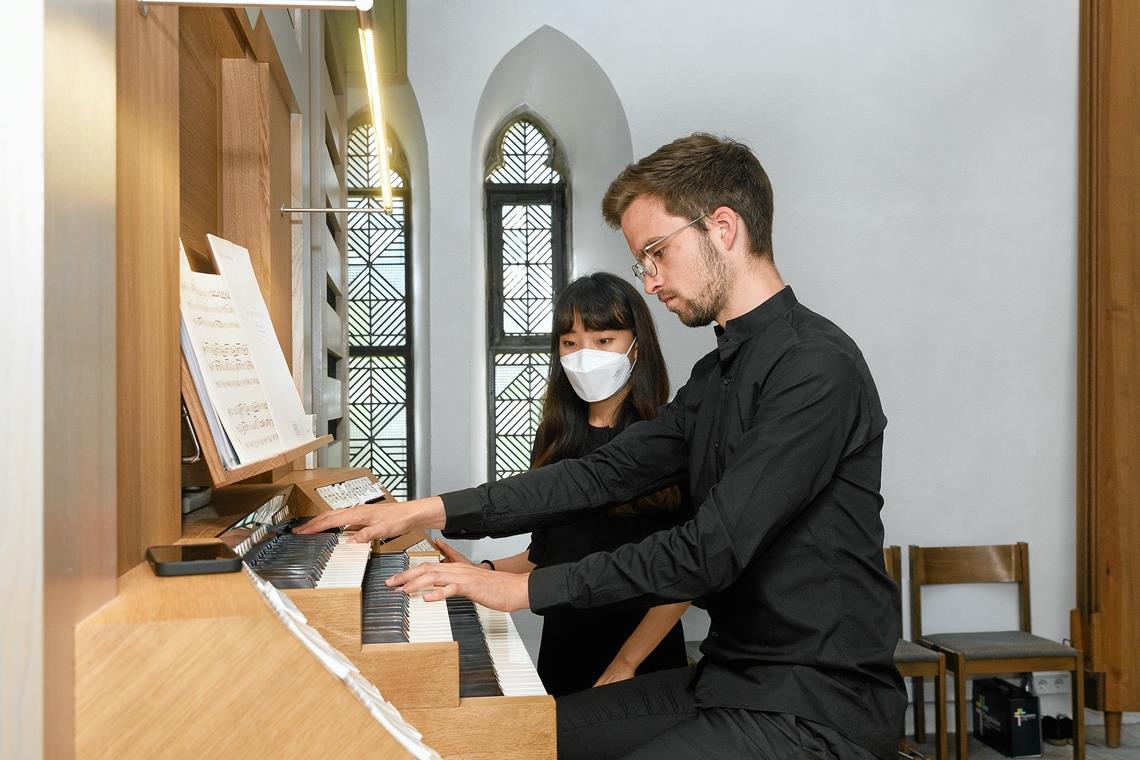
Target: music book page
{"type": "Point", "coordinates": [226, 363]}
{"type": "Point", "coordinates": [233, 263]}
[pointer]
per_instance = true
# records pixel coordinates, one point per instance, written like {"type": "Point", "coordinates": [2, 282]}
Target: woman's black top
{"type": "Point", "coordinates": [578, 646]}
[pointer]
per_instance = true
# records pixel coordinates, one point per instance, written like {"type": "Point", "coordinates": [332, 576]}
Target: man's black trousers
{"type": "Point", "coordinates": [654, 717]}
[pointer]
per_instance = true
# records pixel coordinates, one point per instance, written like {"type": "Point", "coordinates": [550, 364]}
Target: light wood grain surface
{"type": "Point", "coordinates": [1108, 419]}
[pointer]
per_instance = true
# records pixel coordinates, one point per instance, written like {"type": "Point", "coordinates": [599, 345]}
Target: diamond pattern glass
{"type": "Point", "coordinates": [526, 157]}
{"type": "Point", "coordinates": [379, 378]}
{"type": "Point", "coordinates": [520, 384]}
{"type": "Point", "coordinates": [377, 413]}
{"type": "Point", "coordinates": [528, 270]}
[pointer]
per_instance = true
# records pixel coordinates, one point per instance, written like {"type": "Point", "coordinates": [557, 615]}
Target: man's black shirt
{"type": "Point", "coordinates": [779, 432]}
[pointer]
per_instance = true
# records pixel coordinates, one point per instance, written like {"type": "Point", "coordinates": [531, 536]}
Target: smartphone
{"type": "Point", "coordinates": [192, 559]}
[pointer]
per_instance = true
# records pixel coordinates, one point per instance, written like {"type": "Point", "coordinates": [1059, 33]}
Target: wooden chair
{"type": "Point", "coordinates": [918, 662]}
{"type": "Point", "coordinates": [989, 653]}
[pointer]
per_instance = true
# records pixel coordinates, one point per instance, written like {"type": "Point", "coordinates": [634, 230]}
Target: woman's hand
{"type": "Point", "coordinates": [617, 671]}
{"type": "Point", "coordinates": [451, 554]}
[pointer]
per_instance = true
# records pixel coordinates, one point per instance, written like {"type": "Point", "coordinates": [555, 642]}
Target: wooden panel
{"type": "Point", "coordinates": [198, 140]}
{"type": "Point", "coordinates": [490, 728]}
{"type": "Point", "coordinates": [245, 181]}
{"type": "Point", "coordinates": [412, 675]}
{"type": "Point", "coordinates": [279, 297]}
{"type": "Point", "coordinates": [331, 397]}
{"type": "Point", "coordinates": [198, 666]}
{"type": "Point", "coordinates": [335, 612]}
{"type": "Point", "coordinates": [334, 328]}
{"type": "Point", "coordinates": [334, 262]}
{"type": "Point", "coordinates": [333, 116]}
{"type": "Point", "coordinates": [1108, 444]}
{"type": "Point", "coordinates": [227, 506]}
{"type": "Point", "coordinates": [147, 204]}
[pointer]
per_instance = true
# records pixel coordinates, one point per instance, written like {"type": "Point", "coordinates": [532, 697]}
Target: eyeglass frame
{"type": "Point", "coordinates": [640, 270]}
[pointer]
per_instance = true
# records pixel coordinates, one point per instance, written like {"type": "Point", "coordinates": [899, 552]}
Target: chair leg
{"type": "Point", "coordinates": [919, 702]}
{"type": "Point", "coordinates": [961, 707]}
{"type": "Point", "coordinates": [1078, 680]}
{"type": "Point", "coordinates": [940, 748]}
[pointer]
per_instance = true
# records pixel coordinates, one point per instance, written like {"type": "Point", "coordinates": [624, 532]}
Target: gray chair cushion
{"type": "Point", "coordinates": [998, 645]}
{"type": "Point", "coordinates": [908, 651]}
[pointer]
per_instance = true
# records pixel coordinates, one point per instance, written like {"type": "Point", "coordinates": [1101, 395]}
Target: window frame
{"type": "Point", "coordinates": [496, 195]}
{"type": "Point", "coordinates": [406, 351]}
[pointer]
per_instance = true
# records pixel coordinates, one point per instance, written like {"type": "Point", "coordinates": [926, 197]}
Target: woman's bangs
{"type": "Point", "coordinates": [596, 311]}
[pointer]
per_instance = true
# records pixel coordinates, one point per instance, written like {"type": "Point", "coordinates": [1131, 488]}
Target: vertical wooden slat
{"type": "Point", "coordinates": [245, 181]}
{"type": "Point", "coordinates": [1108, 435]}
{"type": "Point", "coordinates": [147, 214]}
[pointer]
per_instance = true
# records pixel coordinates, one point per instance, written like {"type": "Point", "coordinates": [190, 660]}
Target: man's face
{"type": "Point", "coordinates": [692, 275]}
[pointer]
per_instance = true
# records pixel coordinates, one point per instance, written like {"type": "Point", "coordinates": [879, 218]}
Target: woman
{"type": "Point", "coordinates": [610, 374]}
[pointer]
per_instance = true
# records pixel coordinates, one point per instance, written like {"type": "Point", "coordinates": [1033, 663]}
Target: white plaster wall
{"type": "Point", "coordinates": [924, 164]}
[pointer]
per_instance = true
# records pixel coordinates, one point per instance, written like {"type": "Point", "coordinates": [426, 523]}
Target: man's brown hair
{"type": "Point", "coordinates": [695, 175]}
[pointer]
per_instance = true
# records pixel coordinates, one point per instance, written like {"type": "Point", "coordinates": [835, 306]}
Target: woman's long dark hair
{"type": "Point", "coordinates": [603, 302]}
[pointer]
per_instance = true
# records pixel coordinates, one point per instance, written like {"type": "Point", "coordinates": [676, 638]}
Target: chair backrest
{"type": "Point", "coordinates": [999, 563]}
{"type": "Point", "coordinates": [892, 558]}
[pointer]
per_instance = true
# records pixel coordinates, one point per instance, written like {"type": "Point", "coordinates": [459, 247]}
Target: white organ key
{"type": "Point", "coordinates": [346, 565]}
{"type": "Point", "coordinates": [428, 621]}
{"type": "Point", "coordinates": [513, 667]}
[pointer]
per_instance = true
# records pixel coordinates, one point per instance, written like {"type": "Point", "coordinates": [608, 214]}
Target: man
{"type": "Point", "coordinates": [778, 433]}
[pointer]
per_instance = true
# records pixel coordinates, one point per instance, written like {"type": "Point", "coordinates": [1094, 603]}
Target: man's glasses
{"type": "Point", "coordinates": [646, 259]}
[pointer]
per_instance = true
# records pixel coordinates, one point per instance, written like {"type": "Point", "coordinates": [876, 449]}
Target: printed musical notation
{"type": "Point", "coordinates": [227, 367]}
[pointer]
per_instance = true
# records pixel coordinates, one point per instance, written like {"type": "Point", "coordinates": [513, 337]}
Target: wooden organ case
{"type": "Point", "coordinates": [210, 136]}
{"type": "Point", "coordinates": [1107, 618]}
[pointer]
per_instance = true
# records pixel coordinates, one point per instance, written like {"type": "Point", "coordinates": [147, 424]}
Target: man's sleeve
{"type": "Point", "coordinates": [643, 458]}
{"type": "Point", "coordinates": [811, 414]}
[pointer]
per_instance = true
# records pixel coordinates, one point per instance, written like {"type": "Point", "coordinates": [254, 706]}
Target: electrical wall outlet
{"type": "Point", "coordinates": [1051, 683]}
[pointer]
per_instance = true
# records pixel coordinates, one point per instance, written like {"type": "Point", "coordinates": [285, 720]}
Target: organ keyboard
{"type": "Point", "coordinates": [457, 671]}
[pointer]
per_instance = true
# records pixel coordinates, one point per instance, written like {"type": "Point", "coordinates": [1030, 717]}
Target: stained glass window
{"type": "Point", "coordinates": [526, 223]}
{"type": "Point", "coordinates": [379, 318]}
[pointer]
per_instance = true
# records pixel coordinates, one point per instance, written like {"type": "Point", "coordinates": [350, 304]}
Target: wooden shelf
{"type": "Point", "coordinates": [229, 505]}
{"type": "Point", "coordinates": [219, 475]}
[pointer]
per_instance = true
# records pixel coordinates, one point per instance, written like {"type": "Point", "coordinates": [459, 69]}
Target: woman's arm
{"type": "Point", "coordinates": [516, 563]}
{"type": "Point", "coordinates": [649, 632]}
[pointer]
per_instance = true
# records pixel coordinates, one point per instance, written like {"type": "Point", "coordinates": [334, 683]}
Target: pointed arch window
{"type": "Point", "coordinates": [527, 225]}
{"type": "Point", "coordinates": [380, 408]}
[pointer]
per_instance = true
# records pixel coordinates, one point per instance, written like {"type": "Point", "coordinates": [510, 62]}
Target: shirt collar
{"type": "Point", "coordinates": [737, 331]}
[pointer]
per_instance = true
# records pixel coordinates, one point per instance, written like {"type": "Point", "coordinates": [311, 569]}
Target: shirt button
{"type": "Point", "coordinates": [726, 381]}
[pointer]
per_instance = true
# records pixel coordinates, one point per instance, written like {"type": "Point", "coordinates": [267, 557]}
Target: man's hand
{"type": "Point", "coordinates": [384, 520]}
{"type": "Point", "coordinates": [501, 591]}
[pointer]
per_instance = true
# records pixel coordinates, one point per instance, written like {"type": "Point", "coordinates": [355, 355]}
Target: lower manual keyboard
{"type": "Point", "coordinates": [492, 658]}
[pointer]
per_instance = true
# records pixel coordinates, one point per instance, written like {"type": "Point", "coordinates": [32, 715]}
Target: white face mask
{"type": "Point", "coordinates": [597, 375]}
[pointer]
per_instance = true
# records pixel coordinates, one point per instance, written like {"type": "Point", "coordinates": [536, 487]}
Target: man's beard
{"type": "Point", "coordinates": [704, 308]}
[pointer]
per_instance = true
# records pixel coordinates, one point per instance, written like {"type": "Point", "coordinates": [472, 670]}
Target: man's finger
{"type": "Point", "coordinates": [420, 582]}
{"type": "Point", "coordinates": [334, 519]}
{"type": "Point", "coordinates": [410, 574]}
{"type": "Point", "coordinates": [441, 593]}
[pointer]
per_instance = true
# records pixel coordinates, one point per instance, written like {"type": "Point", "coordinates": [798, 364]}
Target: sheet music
{"type": "Point", "coordinates": [226, 364]}
{"type": "Point", "coordinates": [232, 261]}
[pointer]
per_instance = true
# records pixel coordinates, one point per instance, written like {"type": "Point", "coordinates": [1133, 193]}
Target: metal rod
{"type": "Point", "coordinates": [316, 5]}
{"type": "Point", "coordinates": [364, 210]}
{"type": "Point", "coordinates": [197, 455]}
